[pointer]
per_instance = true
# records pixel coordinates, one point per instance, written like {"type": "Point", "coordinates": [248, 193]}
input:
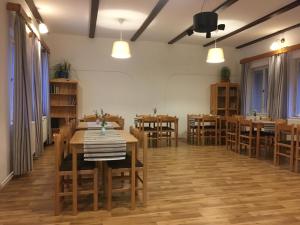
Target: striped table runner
{"type": "Point", "coordinates": [94, 125]}
{"type": "Point", "coordinates": [103, 147]}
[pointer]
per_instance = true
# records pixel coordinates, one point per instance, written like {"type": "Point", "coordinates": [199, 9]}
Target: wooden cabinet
{"type": "Point", "coordinates": [63, 101]}
{"type": "Point", "coordinates": [225, 99]}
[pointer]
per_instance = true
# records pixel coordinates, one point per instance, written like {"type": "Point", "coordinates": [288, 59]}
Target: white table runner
{"type": "Point", "coordinates": [103, 147]}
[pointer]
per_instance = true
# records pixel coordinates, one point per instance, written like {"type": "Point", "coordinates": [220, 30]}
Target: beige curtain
{"type": "Point", "coordinates": [277, 87]}
{"type": "Point", "coordinates": [37, 95]}
{"type": "Point", "coordinates": [21, 147]}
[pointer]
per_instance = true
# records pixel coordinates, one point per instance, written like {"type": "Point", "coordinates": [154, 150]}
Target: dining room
{"type": "Point", "coordinates": [149, 112]}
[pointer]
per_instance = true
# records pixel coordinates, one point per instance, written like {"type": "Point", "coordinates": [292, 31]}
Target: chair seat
{"type": "Point", "coordinates": [126, 163]}
{"type": "Point", "coordinates": [267, 133]}
{"type": "Point", "coordinates": [66, 165]}
{"type": "Point", "coordinates": [247, 133]}
{"type": "Point", "coordinates": [167, 129]}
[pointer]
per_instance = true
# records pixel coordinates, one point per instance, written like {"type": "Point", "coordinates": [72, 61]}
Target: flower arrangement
{"type": "Point", "coordinates": [103, 123]}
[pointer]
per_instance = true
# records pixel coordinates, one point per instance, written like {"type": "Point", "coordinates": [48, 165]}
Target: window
{"type": "Point", "coordinates": [259, 90]}
{"type": "Point", "coordinates": [297, 103]}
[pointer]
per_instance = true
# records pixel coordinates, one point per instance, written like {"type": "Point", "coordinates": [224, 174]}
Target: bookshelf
{"type": "Point", "coordinates": [225, 99]}
{"type": "Point", "coordinates": [63, 101]}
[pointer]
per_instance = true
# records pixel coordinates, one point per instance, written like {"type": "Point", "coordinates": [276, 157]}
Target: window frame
{"type": "Point", "coordinates": [263, 107]}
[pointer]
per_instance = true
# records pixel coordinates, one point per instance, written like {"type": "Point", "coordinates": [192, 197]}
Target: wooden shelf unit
{"type": "Point", "coordinates": [63, 101]}
{"type": "Point", "coordinates": [225, 99]}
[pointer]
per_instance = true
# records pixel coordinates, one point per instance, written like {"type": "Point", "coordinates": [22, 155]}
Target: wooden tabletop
{"type": "Point", "coordinates": [263, 122]}
{"type": "Point", "coordinates": [84, 126]}
{"type": "Point", "coordinates": [78, 137]}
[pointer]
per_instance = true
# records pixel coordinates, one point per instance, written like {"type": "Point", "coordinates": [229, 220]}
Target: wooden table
{"type": "Point", "coordinates": [76, 145]}
{"type": "Point", "coordinates": [85, 126]}
{"type": "Point", "coordinates": [259, 125]}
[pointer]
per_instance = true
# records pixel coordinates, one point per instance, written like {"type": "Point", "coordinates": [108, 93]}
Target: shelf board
{"type": "Point", "coordinates": [62, 105]}
{"type": "Point", "coordinates": [63, 81]}
{"type": "Point", "coordinates": [63, 94]}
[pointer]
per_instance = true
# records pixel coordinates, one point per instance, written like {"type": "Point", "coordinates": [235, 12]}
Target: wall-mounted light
{"type": "Point", "coordinates": [278, 44]}
{"type": "Point", "coordinates": [43, 29]}
{"type": "Point", "coordinates": [215, 55]}
{"type": "Point", "coordinates": [120, 49]}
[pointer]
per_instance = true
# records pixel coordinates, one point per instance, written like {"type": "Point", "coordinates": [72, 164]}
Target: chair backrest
{"type": "Point", "coordinates": [246, 125]}
{"type": "Point", "coordinates": [285, 132]}
{"type": "Point", "coordinates": [112, 118]}
{"type": "Point", "coordinates": [239, 117]}
{"type": "Point", "coordinates": [231, 124]}
{"type": "Point", "coordinates": [89, 118]}
{"type": "Point", "coordinates": [60, 150]}
{"type": "Point", "coordinates": [298, 136]}
{"type": "Point", "coordinates": [142, 141]}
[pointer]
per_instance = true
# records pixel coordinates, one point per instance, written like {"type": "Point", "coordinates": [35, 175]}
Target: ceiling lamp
{"type": "Point", "coordinates": [215, 55]}
{"type": "Point", "coordinates": [278, 44]}
{"type": "Point", "coordinates": [120, 49]}
{"type": "Point", "coordinates": [43, 29]}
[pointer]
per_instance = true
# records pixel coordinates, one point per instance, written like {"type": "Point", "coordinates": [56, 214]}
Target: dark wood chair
{"type": "Point", "coordinates": [284, 144]}
{"type": "Point", "coordinates": [209, 129]}
{"type": "Point", "coordinates": [63, 174]}
{"type": "Point", "coordinates": [123, 169]}
{"type": "Point", "coordinates": [246, 136]}
{"type": "Point", "coordinates": [168, 129]}
{"type": "Point", "coordinates": [232, 128]}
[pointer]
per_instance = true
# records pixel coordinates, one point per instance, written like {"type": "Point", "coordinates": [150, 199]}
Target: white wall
{"type": "Point", "coordinates": [4, 113]}
{"type": "Point", "coordinates": [174, 78]}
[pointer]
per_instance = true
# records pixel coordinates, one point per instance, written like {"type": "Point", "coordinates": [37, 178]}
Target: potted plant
{"type": "Point", "coordinates": [225, 74]}
{"type": "Point", "coordinates": [62, 70]}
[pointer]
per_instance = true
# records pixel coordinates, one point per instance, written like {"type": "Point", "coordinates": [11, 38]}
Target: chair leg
{"type": "Point", "coordinates": [57, 199]}
{"type": "Point", "coordinates": [96, 189]}
{"type": "Point", "coordinates": [109, 188]}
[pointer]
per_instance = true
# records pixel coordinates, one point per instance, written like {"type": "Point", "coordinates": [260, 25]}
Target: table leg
{"type": "Point", "coordinates": [133, 160]}
{"type": "Point", "coordinates": [258, 129]}
{"type": "Point", "coordinates": [74, 179]}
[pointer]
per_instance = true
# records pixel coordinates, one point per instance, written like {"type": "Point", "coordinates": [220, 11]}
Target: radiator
{"type": "Point", "coordinates": [33, 133]}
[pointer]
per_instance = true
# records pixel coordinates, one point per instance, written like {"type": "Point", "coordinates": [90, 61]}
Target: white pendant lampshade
{"type": "Point", "coordinates": [43, 29]}
{"type": "Point", "coordinates": [120, 49]}
{"type": "Point", "coordinates": [215, 55]}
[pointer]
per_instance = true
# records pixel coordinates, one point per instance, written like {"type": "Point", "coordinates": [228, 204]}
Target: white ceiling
{"type": "Point", "coordinates": [72, 17]}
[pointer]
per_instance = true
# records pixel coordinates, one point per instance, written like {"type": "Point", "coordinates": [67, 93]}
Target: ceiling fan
{"type": "Point", "coordinates": [205, 22]}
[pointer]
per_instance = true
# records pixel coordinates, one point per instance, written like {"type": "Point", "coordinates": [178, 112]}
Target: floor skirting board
{"type": "Point", "coordinates": [6, 180]}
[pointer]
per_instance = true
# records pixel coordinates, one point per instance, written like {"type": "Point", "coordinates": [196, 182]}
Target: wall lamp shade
{"type": "Point", "coordinates": [43, 29]}
{"type": "Point", "coordinates": [215, 55]}
{"type": "Point", "coordinates": [120, 50]}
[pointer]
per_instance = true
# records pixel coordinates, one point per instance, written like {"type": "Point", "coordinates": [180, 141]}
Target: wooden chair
{"type": "Point", "coordinates": [124, 167]}
{"type": "Point", "coordinates": [191, 129]}
{"type": "Point", "coordinates": [168, 127]}
{"type": "Point", "coordinates": [246, 137]}
{"type": "Point", "coordinates": [221, 130]}
{"type": "Point", "coordinates": [63, 174]}
{"type": "Point", "coordinates": [297, 153]}
{"type": "Point", "coordinates": [118, 119]}
{"type": "Point", "coordinates": [284, 143]}
{"type": "Point", "coordinates": [89, 118]}
{"type": "Point", "coordinates": [150, 125]}
{"type": "Point", "coordinates": [209, 127]}
{"type": "Point", "coordinates": [232, 128]}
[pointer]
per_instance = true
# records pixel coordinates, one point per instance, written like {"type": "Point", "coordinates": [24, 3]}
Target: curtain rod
{"type": "Point", "coordinates": [271, 53]}
{"type": "Point", "coordinates": [18, 9]}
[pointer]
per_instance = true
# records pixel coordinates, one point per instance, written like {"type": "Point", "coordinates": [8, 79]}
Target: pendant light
{"type": "Point", "coordinates": [215, 55]}
{"type": "Point", "coordinates": [120, 49]}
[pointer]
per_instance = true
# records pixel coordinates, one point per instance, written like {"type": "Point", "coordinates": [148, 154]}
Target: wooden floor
{"type": "Point", "coordinates": [187, 185]}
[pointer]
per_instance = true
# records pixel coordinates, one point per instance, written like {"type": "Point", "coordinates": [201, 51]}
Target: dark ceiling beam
{"type": "Point", "coordinates": [93, 17]}
{"type": "Point", "coordinates": [268, 36]}
{"type": "Point", "coordinates": [258, 21]}
{"type": "Point", "coordinates": [157, 8]}
{"type": "Point", "coordinates": [34, 10]}
{"type": "Point", "coordinates": [219, 8]}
